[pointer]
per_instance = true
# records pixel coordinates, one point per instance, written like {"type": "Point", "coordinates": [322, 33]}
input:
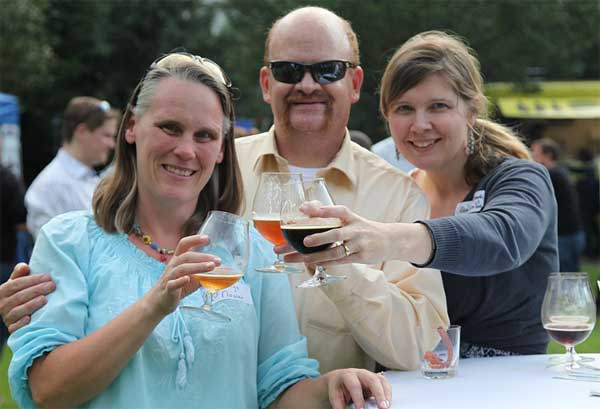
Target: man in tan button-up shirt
{"type": "Point", "coordinates": [373, 315]}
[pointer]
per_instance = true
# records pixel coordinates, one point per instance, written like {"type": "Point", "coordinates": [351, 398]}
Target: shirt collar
{"type": "Point", "coordinates": [269, 159]}
{"type": "Point", "coordinates": [73, 166]}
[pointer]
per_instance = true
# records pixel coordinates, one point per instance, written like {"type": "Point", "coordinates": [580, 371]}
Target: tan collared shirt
{"type": "Point", "coordinates": [373, 315]}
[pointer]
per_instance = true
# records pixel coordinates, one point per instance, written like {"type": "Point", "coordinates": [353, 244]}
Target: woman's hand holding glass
{"type": "Point", "coordinates": [296, 225]}
{"type": "Point", "coordinates": [176, 281]}
{"type": "Point", "coordinates": [362, 240]}
{"type": "Point", "coordinates": [229, 243]}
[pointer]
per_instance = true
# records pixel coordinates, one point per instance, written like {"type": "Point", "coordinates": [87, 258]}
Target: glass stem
{"type": "Point", "coordinates": [320, 273]}
{"type": "Point", "coordinates": [279, 263]}
{"type": "Point", "coordinates": [570, 364]}
{"type": "Point", "coordinates": [208, 301]}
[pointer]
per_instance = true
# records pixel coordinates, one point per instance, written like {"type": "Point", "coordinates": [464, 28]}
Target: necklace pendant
{"type": "Point", "coordinates": [162, 258]}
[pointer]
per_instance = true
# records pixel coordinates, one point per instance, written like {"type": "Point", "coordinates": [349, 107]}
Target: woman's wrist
{"type": "Point", "coordinates": [425, 250]}
{"type": "Point", "coordinates": [150, 310]}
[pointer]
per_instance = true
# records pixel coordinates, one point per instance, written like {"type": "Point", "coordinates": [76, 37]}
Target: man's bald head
{"type": "Point", "coordinates": [327, 19]}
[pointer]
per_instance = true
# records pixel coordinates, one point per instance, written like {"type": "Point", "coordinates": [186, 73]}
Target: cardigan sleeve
{"type": "Point", "coordinates": [519, 208]}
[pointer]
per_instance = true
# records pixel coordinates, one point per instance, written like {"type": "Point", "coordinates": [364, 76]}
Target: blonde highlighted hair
{"type": "Point", "coordinates": [115, 199]}
{"type": "Point", "coordinates": [436, 52]}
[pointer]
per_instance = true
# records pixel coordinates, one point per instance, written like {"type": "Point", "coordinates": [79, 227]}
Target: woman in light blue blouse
{"type": "Point", "coordinates": [112, 334]}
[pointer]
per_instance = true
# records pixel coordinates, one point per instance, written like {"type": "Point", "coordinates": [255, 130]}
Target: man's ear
{"type": "Point", "coordinates": [265, 83]}
{"type": "Point", "coordinates": [80, 131]}
{"type": "Point", "coordinates": [357, 77]}
{"type": "Point", "coordinates": [129, 131]}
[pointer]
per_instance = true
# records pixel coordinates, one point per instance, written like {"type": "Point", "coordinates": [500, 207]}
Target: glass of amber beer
{"type": "Point", "coordinates": [266, 211]}
{"type": "Point", "coordinates": [295, 225]}
{"type": "Point", "coordinates": [228, 234]}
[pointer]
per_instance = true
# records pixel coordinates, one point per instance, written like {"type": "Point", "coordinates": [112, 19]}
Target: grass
{"type": "Point", "coordinates": [591, 345]}
{"type": "Point", "coordinates": [6, 400]}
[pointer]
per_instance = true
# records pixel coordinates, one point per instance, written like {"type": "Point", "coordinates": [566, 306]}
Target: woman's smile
{"type": "Point", "coordinates": [178, 171]}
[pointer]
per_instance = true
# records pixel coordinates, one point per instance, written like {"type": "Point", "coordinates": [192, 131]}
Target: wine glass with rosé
{"type": "Point", "coordinates": [266, 215]}
{"type": "Point", "coordinates": [229, 240]}
{"type": "Point", "coordinates": [296, 225]}
{"type": "Point", "coordinates": [569, 314]}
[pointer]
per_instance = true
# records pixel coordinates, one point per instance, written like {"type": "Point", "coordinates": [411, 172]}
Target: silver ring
{"type": "Point", "coordinates": [347, 251]}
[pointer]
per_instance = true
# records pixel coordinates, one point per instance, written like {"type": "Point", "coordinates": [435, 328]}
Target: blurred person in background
{"type": "Point", "coordinates": [68, 182]}
{"type": "Point", "coordinates": [571, 236]}
{"type": "Point", "coordinates": [492, 231]}
{"type": "Point", "coordinates": [588, 189]}
{"type": "Point", "coordinates": [387, 150]}
{"type": "Point", "coordinates": [361, 138]}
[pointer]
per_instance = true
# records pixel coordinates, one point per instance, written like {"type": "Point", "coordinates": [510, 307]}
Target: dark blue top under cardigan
{"type": "Point", "coordinates": [496, 260]}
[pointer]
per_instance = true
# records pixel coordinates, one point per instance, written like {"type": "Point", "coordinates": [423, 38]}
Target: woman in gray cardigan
{"type": "Point", "coordinates": [492, 231]}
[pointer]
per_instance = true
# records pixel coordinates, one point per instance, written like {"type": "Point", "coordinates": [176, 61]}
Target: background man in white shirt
{"type": "Point", "coordinates": [68, 182]}
{"type": "Point", "coordinates": [387, 150]}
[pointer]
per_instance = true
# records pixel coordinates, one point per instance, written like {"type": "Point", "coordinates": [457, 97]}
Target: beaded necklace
{"type": "Point", "coordinates": [147, 239]}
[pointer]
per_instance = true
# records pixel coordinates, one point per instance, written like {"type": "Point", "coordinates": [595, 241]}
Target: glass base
{"type": "Point", "coordinates": [209, 313]}
{"type": "Point", "coordinates": [569, 362]}
{"type": "Point", "coordinates": [281, 269]}
{"type": "Point", "coordinates": [438, 373]}
{"type": "Point", "coordinates": [321, 281]}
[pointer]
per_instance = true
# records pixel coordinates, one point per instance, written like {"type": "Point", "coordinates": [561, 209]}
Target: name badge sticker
{"type": "Point", "coordinates": [239, 291]}
{"type": "Point", "coordinates": [471, 206]}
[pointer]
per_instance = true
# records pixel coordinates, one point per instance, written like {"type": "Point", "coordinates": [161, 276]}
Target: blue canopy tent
{"type": "Point", "coordinates": [10, 133]}
{"type": "Point", "coordinates": [10, 148]}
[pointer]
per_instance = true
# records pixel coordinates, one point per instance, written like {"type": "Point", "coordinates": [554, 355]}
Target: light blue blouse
{"type": "Point", "coordinates": [188, 360]}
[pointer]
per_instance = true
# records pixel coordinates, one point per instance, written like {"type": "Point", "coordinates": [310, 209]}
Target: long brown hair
{"type": "Point", "coordinates": [115, 199]}
{"type": "Point", "coordinates": [436, 52]}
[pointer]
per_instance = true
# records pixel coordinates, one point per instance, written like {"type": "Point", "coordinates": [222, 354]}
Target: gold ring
{"type": "Point", "coordinates": [347, 251]}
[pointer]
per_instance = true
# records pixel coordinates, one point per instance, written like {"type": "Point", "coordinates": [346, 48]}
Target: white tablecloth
{"type": "Point", "coordinates": [489, 383]}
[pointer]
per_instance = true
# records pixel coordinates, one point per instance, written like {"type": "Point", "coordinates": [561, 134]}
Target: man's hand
{"type": "Point", "coordinates": [22, 295]}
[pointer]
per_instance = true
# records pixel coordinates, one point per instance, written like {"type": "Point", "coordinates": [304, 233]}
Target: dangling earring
{"type": "Point", "coordinates": [470, 148]}
{"type": "Point", "coordinates": [397, 154]}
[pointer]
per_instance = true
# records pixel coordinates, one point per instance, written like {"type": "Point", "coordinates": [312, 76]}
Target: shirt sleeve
{"type": "Point", "coordinates": [282, 351]}
{"type": "Point", "coordinates": [60, 250]}
{"type": "Point", "coordinates": [519, 208]}
{"type": "Point", "coordinates": [43, 203]}
{"type": "Point", "coordinates": [384, 306]}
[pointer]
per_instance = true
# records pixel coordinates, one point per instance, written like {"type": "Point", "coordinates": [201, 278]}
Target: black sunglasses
{"type": "Point", "coordinates": [324, 72]}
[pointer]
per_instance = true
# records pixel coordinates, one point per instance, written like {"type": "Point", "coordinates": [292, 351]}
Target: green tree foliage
{"type": "Point", "coordinates": [26, 56]}
{"type": "Point", "coordinates": [52, 50]}
{"type": "Point", "coordinates": [511, 37]}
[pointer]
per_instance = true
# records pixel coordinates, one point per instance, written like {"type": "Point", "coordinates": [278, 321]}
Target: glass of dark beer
{"type": "Point", "coordinates": [296, 225]}
{"type": "Point", "coordinates": [569, 314]}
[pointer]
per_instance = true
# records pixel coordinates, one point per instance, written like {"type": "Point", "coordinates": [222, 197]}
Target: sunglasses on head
{"type": "Point", "coordinates": [324, 72]}
{"type": "Point", "coordinates": [212, 67]}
